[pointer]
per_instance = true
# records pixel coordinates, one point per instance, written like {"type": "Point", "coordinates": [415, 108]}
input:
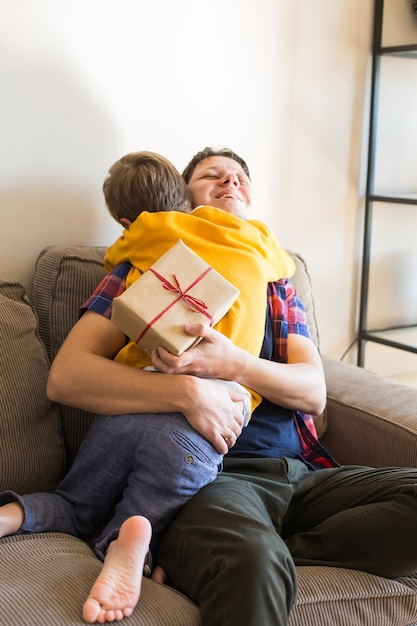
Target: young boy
{"type": "Point", "coordinates": [245, 252]}
{"type": "Point", "coordinates": [114, 469]}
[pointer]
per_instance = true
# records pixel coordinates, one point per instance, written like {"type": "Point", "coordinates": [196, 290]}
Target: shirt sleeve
{"type": "Point", "coordinates": [297, 321]}
{"type": "Point", "coordinates": [112, 285]}
{"type": "Point", "coordinates": [287, 310]}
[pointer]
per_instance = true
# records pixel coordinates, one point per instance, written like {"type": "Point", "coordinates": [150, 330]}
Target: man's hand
{"type": "Point", "coordinates": [215, 411]}
{"type": "Point", "coordinates": [214, 357]}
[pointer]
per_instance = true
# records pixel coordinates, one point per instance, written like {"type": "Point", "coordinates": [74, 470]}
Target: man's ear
{"type": "Point", "coordinates": [125, 222]}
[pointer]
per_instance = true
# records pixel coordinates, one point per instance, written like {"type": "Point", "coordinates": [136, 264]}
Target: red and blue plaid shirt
{"type": "Point", "coordinates": [285, 316]}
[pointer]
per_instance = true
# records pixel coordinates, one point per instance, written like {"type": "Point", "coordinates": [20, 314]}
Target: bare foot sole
{"type": "Point", "coordinates": [116, 591]}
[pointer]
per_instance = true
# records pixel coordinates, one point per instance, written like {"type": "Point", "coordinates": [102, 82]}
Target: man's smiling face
{"type": "Point", "coordinates": [221, 182]}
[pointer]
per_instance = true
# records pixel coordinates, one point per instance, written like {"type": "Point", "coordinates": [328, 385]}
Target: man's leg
{"type": "Point", "coordinates": [224, 550]}
{"type": "Point", "coordinates": [355, 517]}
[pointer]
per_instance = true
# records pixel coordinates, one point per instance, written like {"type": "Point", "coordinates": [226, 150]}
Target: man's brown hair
{"type": "Point", "coordinates": [144, 181]}
{"type": "Point", "coordinates": [209, 152]}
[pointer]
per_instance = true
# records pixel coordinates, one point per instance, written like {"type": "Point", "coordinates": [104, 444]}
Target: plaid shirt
{"type": "Point", "coordinates": [287, 316]}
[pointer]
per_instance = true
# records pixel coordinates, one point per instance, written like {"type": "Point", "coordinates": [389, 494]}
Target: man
{"type": "Point", "coordinates": [281, 500]}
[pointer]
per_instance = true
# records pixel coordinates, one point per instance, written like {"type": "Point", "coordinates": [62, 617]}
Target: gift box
{"type": "Point", "coordinates": [180, 287]}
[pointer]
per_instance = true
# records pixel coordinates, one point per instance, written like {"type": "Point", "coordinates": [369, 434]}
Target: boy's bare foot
{"type": "Point", "coordinates": [116, 591]}
{"type": "Point", "coordinates": [11, 518]}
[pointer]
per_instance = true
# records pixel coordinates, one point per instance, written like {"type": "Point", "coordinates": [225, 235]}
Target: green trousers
{"type": "Point", "coordinates": [233, 548]}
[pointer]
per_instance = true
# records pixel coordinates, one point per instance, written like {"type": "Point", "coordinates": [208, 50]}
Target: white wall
{"type": "Point", "coordinates": [283, 82]}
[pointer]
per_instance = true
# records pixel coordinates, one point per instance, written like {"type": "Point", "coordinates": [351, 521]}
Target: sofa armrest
{"type": "Point", "coordinates": [370, 420]}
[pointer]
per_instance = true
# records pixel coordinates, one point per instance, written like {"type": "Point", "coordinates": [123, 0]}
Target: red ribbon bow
{"type": "Point", "coordinates": [193, 304]}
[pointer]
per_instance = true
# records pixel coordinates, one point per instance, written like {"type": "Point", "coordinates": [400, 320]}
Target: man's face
{"type": "Point", "coordinates": [221, 182]}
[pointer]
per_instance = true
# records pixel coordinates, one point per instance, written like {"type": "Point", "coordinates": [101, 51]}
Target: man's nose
{"type": "Point", "coordinates": [231, 179]}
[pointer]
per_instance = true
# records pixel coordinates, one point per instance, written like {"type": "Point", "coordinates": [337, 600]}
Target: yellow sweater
{"type": "Point", "coordinates": [245, 252]}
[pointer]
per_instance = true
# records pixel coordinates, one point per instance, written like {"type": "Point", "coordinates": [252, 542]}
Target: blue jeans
{"type": "Point", "coordinates": [149, 464]}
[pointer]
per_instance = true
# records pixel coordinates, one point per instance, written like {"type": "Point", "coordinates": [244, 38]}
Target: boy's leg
{"type": "Point", "coordinates": [92, 486]}
{"type": "Point", "coordinates": [355, 517]}
{"type": "Point", "coordinates": [184, 462]}
{"type": "Point", "coordinates": [170, 464]}
{"type": "Point", "coordinates": [224, 550]}
{"type": "Point", "coordinates": [99, 473]}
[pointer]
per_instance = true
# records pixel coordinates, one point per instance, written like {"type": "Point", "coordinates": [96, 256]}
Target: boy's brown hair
{"type": "Point", "coordinates": [144, 181]}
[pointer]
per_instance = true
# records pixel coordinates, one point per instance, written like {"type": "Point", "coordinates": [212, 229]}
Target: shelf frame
{"type": "Point", "coordinates": [365, 334]}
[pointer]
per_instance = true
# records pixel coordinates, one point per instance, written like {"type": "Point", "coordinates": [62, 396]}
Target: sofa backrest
{"type": "Point", "coordinates": [65, 276]}
{"type": "Point", "coordinates": [31, 445]}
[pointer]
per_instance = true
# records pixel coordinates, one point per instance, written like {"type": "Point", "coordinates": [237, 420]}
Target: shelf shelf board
{"type": "Point", "coordinates": [394, 337]}
{"type": "Point", "coordinates": [394, 199]}
{"type": "Point", "coordinates": [400, 51]}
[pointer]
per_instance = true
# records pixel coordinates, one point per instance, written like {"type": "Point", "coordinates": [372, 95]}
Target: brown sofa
{"type": "Point", "coordinates": [44, 579]}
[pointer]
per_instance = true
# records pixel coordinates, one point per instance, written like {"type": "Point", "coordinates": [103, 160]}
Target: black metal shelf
{"type": "Point", "coordinates": [409, 51]}
{"type": "Point", "coordinates": [400, 199]}
{"type": "Point", "coordinates": [365, 334]}
{"type": "Point", "coordinates": [387, 337]}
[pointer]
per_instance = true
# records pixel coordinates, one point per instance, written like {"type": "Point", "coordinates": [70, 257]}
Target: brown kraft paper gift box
{"type": "Point", "coordinates": [152, 310]}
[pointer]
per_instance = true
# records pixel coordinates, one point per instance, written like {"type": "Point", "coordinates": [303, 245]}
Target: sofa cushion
{"type": "Point", "coordinates": [65, 276]}
{"type": "Point", "coordinates": [302, 283]}
{"type": "Point", "coordinates": [59, 571]}
{"type": "Point", "coordinates": [372, 420]}
{"type": "Point", "coordinates": [31, 447]}
{"type": "Point", "coordinates": [332, 596]}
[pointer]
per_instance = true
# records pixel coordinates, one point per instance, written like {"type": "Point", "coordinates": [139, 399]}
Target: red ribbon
{"type": "Point", "coordinates": [194, 304]}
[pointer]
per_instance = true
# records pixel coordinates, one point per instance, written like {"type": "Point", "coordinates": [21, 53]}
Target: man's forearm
{"type": "Point", "coordinates": [103, 386]}
{"type": "Point", "coordinates": [297, 386]}
{"type": "Point", "coordinates": [84, 374]}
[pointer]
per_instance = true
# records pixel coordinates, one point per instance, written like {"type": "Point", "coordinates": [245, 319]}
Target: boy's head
{"type": "Point", "coordinates": [144, 181]}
